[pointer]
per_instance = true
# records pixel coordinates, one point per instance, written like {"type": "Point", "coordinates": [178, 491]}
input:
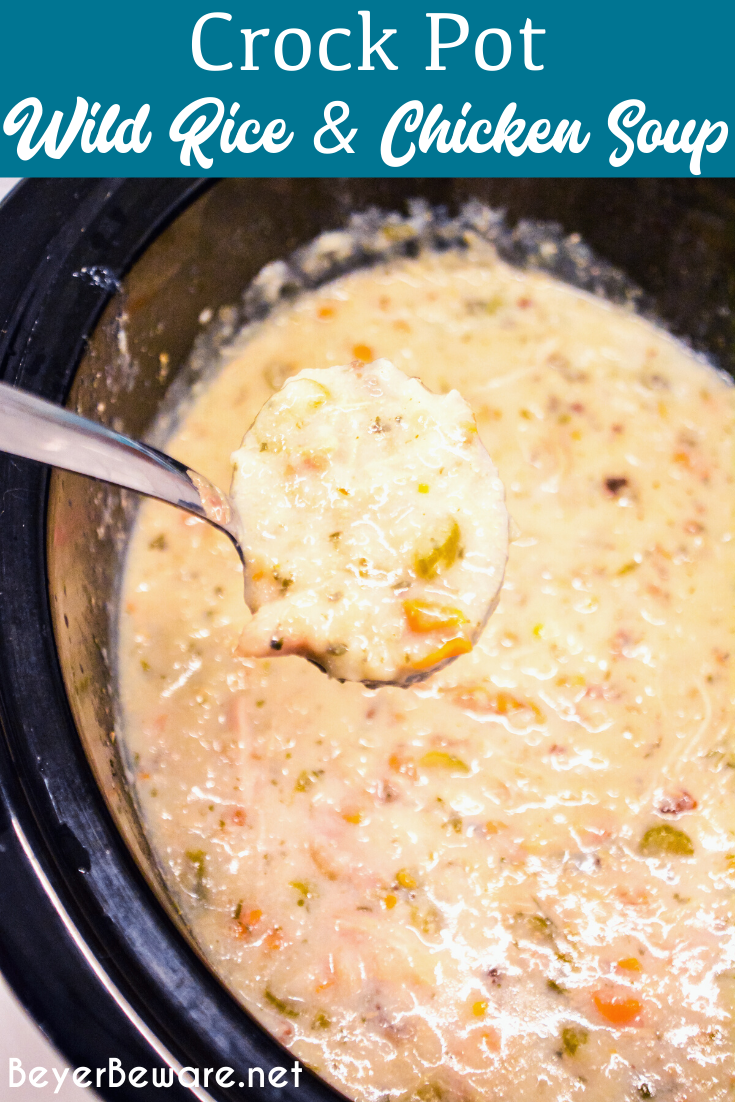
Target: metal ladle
{"type": "Point", "coordinates": [33, 428]}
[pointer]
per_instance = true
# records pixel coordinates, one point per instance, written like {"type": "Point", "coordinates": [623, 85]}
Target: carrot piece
{"type": "Point", "coordinates": [399, 763]}
{"type": "Point", "coordinates": [244, 923]}
{"type": "Point", "coordinates": [451, 649]}
{"type": "Point", "coordinates": [363, 352]}
{"type": "Point", "coordinates": [426, 616]}
{"type": "Point", "coordinates": [274, 939]}
{"type": "Point", "coordinates": [630, 964]}
{"type": "Point", "coordinates": [480, 699]}
{"type": "Point", "coordinates": [617, 1009]}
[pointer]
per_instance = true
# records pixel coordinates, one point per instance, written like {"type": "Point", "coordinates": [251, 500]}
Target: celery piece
{"type": "Point", "coordinates": [438, 759]}
{"type": "Point", "coordinates": [442, 553]}
{"type": "Point", "coordinates": [666, 839]}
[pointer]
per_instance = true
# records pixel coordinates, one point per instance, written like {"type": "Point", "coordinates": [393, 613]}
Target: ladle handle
{"type": "Point", "coordinates": [33, 428]}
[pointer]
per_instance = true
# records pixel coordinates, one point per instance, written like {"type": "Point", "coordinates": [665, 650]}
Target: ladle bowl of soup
{"type": "Point", "coordinates": [516, 877]}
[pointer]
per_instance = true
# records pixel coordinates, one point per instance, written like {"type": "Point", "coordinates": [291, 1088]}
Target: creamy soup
{"type": "Point", "coordinates": [373, 523]}
{"type": "Point", "coordinates": [514, 881]}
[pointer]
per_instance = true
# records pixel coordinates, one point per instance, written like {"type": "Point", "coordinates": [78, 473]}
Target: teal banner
{"type": "Point", "coordinates": [512, 88]}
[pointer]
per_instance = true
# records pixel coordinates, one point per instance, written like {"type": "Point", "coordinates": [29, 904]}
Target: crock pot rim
{"type": "Point", "coordinates": [64, 245]}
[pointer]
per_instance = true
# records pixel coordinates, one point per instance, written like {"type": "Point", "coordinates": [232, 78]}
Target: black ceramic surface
{"type": "Point", "coordinates": [84, 939]}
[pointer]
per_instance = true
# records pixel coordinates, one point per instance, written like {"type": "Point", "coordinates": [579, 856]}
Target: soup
{"type": "Point", "coordinates": [373, 522]}
{"type": "Point", "coordinates": [514, 880]}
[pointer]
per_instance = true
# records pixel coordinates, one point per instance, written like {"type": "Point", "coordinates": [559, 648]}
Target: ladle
{"type": "Point", "coordinates": [33, 428]}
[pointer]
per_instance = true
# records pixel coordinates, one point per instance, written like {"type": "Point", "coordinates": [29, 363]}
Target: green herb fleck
{"type": "Point", "coordinates": [301, 887]}
{"type": "Point", "coordinates": [536, 925]}
{"type": "Point", "coordinates": [484, 306]}
{"type": "Point", "coordinates": [198, 860]}
{"type": "Point", "coordinates": [572, 1037]}
{"type": "Point", "coordinates": [280, 1004]}
{"type": "Point", "coordinates": [306, 779]}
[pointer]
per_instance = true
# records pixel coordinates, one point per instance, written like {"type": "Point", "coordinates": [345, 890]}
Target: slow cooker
{"type": "Point", "coordinates": [102, 286]}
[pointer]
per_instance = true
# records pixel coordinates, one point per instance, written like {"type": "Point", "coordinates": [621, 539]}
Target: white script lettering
{"type": "Point", "coordinates": [629, 114]}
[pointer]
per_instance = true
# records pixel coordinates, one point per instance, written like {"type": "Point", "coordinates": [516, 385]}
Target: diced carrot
{"type": "Point", "coordinates": [480, 699]}
{"type": "Point", "coordinates": [158, 725]}
{"type": "Point", "coordinates": [490, 1040]}
{"type": "Point", "coordinates": [633, 897]}
{"type": "Point", "coordinates": [617, 1009]}
{"type": "Point", "coordinates": [427, 616]}
{"type": "Point", "coordinates": [390, 901]}
{"type": "Point", "coordinates": [314, 461]}
{"type": "Point", "coordinates": [630, 964]}
{"type": "Point", "coordinates": [401, 764]}
{"type": "Point", "coordinates": [325, 312]}
{"type": "Point", "coordinates": [451, 649]}
{"type": "Point", "coordinates": [322, 863]}
{"type": "Point", "coordinates": [363, 352]}
{"type": "Point", "coordinates": [245, 923]}
{"type": "Point", "coordinates": [274, 939]}
{"type": "Point", "coordinates": [352, 816]}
